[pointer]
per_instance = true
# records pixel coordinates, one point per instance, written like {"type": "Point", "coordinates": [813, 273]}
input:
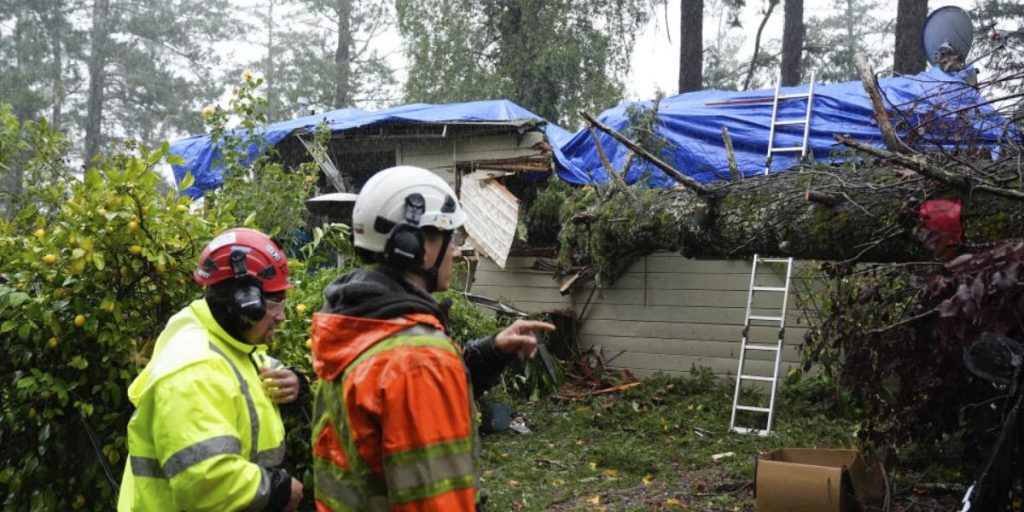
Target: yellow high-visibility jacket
{"type": "Point", "coordinates": [204, 433]}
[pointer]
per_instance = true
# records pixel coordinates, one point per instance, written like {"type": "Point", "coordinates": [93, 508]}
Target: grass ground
{"type": "Point", "coordinates": [654, 447]}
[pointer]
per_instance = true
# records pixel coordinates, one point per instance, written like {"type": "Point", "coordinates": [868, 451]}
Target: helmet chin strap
{"type": "Point", "coordinates": [431, 274]}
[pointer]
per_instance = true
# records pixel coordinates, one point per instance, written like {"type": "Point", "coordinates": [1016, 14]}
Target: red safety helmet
{"type": "Point", "coordinates": [239, 252]}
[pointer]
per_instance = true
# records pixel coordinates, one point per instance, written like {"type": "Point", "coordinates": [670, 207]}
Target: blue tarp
{"type": "Point", "coordinates": [693, 128]}
{"type": "Point", "coordinates": [201, 155]}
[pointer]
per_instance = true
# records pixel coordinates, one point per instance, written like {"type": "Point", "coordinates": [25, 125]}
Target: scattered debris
{"type": "Point", "coordinates": [519, 425]}
{"type": "Point", "coordinates": [719, 456]}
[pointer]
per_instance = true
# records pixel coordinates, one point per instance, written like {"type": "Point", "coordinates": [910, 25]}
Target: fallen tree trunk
{"type": "Point", "coordinates": [867, 214]}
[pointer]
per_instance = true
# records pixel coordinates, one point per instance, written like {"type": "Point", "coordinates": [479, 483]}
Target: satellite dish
{"type": "Point", "coordinates": [947, 37]}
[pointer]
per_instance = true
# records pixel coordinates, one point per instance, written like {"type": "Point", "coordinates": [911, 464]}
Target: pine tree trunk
{"type": "Point", "coordinates": [268, 68]}
{"type": "Point", "coordinates": [792, 42]}
{"type": "Point", "coordinates": [54, 28]}
{"type": "Point", "coordinates": [909, 57]}
{"type": "Point", "coordinates": [97, 65]}
{"type": "Point", "coordinates": [691, 45]}
{"type": "Point", "coordinates": [343, 55]}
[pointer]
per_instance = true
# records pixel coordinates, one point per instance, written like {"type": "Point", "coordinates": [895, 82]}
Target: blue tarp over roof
{"type": "Point", "coordinates": [693, 128]}
{"type": "Point", "coordinates": [200, 154]}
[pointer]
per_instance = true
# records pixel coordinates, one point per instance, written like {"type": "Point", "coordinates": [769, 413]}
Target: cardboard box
{"type": "Point", "coordinates": [815, 480]}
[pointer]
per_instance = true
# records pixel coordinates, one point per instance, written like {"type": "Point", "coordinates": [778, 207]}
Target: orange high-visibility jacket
{"type": "Point", "coordinates": [394, 421]}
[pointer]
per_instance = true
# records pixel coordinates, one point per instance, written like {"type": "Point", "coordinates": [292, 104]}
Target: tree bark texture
{"type": "Point", "coordinates": [97, 70]}
{"type": "Point", "coordinates": [869, 214]}
{"type": "Point", "coordinates": [909, 57]}
{"type": "Point", "coordinates": [343, 55]}
{"type": "Point", "coordinates": [691, 45]}
{"type": "Point", "coordinates": [792, 42]}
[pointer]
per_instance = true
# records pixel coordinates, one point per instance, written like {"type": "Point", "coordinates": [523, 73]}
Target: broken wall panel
{"type": "Point", "coordinates": [492, 215]}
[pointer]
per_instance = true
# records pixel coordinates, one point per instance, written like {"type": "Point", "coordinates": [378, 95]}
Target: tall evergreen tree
{"type": "Point", "coordinates": [909, 57]}
{"type": "Point", "coordinates": [833, 42]}
{"type": "Point", "coordinates": [691, 45]}
{"type": "Point", "coordinates": [792, 42]}
{"type": "Point", "coordinates": [552, 56]}
{"type": "Point", "coordinates": [324, 51]}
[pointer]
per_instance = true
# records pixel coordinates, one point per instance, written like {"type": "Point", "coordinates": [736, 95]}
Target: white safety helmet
{"type": "Point", "coordinates": [399, 198]}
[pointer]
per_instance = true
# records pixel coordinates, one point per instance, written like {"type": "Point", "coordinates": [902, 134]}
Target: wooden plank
{"type": "Point", "coordinates": [725, 349]}
{"type": "Point", "coordinates": [714, 298]}
{"type": "Point", "coordinates": [542, 280]}
{"type": "Point", "coordinates": [689, 331]}
{"type": "Point", "coordinates": [520, 294]}
{"type": "Point", "coordinates": [682, 314]}
{"type": "Point", "coordinates": [680, 363]}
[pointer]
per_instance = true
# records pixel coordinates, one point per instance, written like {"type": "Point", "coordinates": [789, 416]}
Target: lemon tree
{"type": "Point", "coordinates": [91, 267]}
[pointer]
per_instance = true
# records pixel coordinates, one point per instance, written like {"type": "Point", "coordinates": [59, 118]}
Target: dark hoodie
{"type": "Point", "coordinates": [383, 293]}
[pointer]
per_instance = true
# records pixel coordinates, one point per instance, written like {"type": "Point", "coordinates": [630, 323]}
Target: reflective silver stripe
{"type": "Point", "coordinates": [418, 473]}
{"type": "Point", "coordinates": [328, 486]}
{"type": "Point", "coordinates": [198, 452]}
{"type": "Point", "coordinates": [272, 457]}
{"type": "Point", "coordinates": [422, 330]}
{"type": "Point", "coordinates": [145, 466]}
{"type": "Point", "coordinates": [259, 502]}
{"type": "Point", "coordinates": [254, 421]}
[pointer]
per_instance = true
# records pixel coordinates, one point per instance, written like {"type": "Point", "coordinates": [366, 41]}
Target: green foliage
{"type": "Point", "coordinates": [611, 229]}
{"type": "Point", "coordinates": [553, 57]}
{"type": "Point", "coordinates": [90, 270]}
{"type": "Point", "coordinates": [259, 190]}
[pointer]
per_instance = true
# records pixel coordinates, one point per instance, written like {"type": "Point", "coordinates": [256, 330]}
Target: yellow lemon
{"type": "Point", "coordinates": [31, 412]}
{"type": "Point", "coordinates": [182, 208]}
{"type": "Point", "coordinates": [135, 249]}
{"type": "Point", "coordinates": [161, 268]}
{"type": "Point", "coordinates": [300, 308]}
{"type": "Point", "coordinates": [40, 233]}
{"type": "Point", "coordinates": [79, 320]}
{"type": "Point", "coordinates": [49, 259]}
{"type": "Point", "coordinates": [309, 343]}
{"type": "Point", "coordinates": [133, 225]}
{"type": "Point", "coordinates": [52, 342]}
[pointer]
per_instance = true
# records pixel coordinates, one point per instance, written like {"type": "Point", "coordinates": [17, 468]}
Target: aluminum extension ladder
{"type": "Point", "coordinates": [745, 345]}
{"type": "Point", "coordinates": [806, 121]}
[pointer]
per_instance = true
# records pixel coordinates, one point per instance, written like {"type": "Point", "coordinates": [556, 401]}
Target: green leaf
{"type": "Point", "coordinates": [188, 180]}
{"type": "Point", "coordinates": [26, 382]}
{"type": "Point", "coordinates": [97, 259]}
{"type": "Point", "coordinates": [17, 298]}
{"type": "Point", "coordinates": [177, 160]}
{"type": "Point", "coordinates": [8, 326]}
{"type": "Point", "coordinates": [93, 178]}
{"type": "Point", "coordinates": [78, 362]}
{"type": "Point", "coordinates": [250, 221]}
{"type": "Point", "coordinates": [25, 331]}
{"type": "Point", "coordinates": [78, 253]}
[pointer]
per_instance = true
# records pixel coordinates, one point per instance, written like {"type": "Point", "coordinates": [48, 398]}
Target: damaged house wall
{"type": "Point", "coordinates": [665, 314]}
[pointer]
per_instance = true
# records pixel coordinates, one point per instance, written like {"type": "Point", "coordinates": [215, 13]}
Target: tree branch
{"type": "Point", "coordinates": [683, 179]}
{"type": "Point", "coordinates": [918, 164]}
{"type": "Point", "coordinates": [867, 76]}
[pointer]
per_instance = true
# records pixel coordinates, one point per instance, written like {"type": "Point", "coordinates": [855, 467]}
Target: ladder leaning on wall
{"type": "Point", "coordinates": [745, 345]}
{"type": "Point", "coordinates": [805, 121]}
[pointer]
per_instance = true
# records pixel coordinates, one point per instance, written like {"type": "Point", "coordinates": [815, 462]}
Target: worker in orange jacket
{"type": "Point", "coordinates": [394, 421]}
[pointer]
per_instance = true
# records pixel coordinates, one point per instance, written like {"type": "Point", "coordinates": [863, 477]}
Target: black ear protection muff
{"type": "Point", "coordinates": [405, 246]}
{"type": "Point", "coordinates": [248, 295]}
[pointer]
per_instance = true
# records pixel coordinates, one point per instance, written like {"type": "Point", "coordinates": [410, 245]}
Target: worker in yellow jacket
{"type": "Point", "coordinates": [207, 433]}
